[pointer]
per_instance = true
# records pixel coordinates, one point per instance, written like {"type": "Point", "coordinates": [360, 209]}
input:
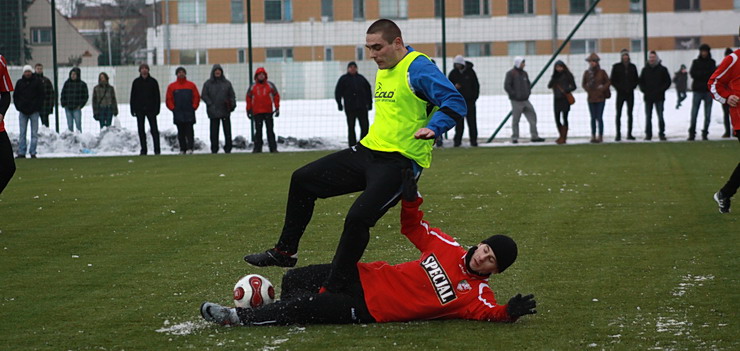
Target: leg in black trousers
{"type": "Point", "coordinates": [7, 164]}
{"type": "Point", "coordinates": [630, 107]}
{"type": "Point", "coordinates": [227, 134]}
{"type": "Point", "coordinates": [190, 134]}
{"type": "Point", "coordinates": [142, 133]}
{"type": "Point", "coordinates": [364, 124]}
{"type": "Point", "coordinates": [351, 136]}
{"type": "Point", "coordinates": [472, 123]}
{"type": "Point", "coordinates": [726, 120]}
{"type": "Point", "coordinates": [258, 121]}
{"type": "Point", "coordinates": [184, 131]}
{"type": "Point", "coordinates": [459, 131]}
{"type": "Point", "coordinates": [621, 99]}
{"type": "Point", "coordinates": [270, 126]}
{"type": "Point", "coordinates": [155, 131]}
{"type": "Point", "coordinates": [215, 125]}
{"type": "Point", "coordinates": [732, 184]}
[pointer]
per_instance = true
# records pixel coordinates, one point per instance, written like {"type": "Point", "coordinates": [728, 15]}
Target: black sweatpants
{"type": "Point", "coordinates": [7, 164]}
{"type": "Point", "coordinates": [185, 136]}
{"type": "Point", "coordinates": [472, 126]}
{"type": "Point", "coordinates": [215, 125]}
{"type": "Point", "coordinates": [142, 132]}
{"type": "Point", "coordinates": [376, 174]}
{"type": "Point", "coordinates": [733, 183]}
{"type": "Point", "coordinates": [352, 116]}
{"type": "Point", "coordinates": [562, 108]}
{"type": "Point", "coordinates": [300, 302]}
{"type": "Point", "coordinates": [267, 120]}
{"type": "Point", "coordinates": [629, 98]}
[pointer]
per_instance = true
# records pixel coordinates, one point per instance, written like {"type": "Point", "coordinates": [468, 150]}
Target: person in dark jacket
{"type": "Point", "coordinates": [28, 98]}
{"type": "Point", "coordinates": [466, 82]}
{"type": "Point", "coordinates": [104, 102]}
{"type": "Point", "coordinates": [518, 87]}
{"type": "Point", "coordinates": [596, 83]}
{"type": "Point", "coordinates": [50, 95]}
{"type": "Point", "coordinates": [7, 163]}
{"type": "Point", "coordinates": [355, 90]}
{"type": "Point", "coordinates": [183, 99]}
{"type": "Point", "coordinates": [145, 104]}
{"type": "Point", "coordinates": [680, 81]}
{"type": "Point", "coordinates": [561, 83]}
{"type": "Point", "coordinates": [74, 97]}
{"type": "Point", "coordinates": [218, 94]}
{"type": "Point", "coordinates": [726, 109]}
{"type": "Point", "coordinates": [700, 71]}
{"type": "Point", "coordinates": [624, 80]}
{"type": "Point", "coordinates": [262, 95]}
{"type": "Point", "coordinates": [654, 81]}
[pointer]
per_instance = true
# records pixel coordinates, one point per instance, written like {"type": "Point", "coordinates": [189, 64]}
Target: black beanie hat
{"type": "Point", "coordinates": [181, 68]}
{"type": "Point", "coordinates": [351, 63]}
{"type": "Point", "coordinates": [505, 250]}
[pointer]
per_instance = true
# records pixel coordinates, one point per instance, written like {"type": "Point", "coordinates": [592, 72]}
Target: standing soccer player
{"type": "Point", "coordinates": [724, 85]}
{"type": "Point", "coordinates": [408, 90]}
{"type": "Point", "coordinates": [7, 164]}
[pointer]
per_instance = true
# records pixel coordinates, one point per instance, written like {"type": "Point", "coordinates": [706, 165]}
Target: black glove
{"type": "Point", "coordinates": [519, 306]}
{"type": "Point", "coordinates": [340, 107]}
{"type": "Point", "coordinates": [277, 113]}
{"type": "Point", "coordinates": [249, 114]}
{"type": "Point", "coordinates": [409, 190]}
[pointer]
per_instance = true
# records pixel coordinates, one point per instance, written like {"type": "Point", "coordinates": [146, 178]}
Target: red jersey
{"type": "Point", "coordinates": [262, 95]}
{"type": "Point", "coordinates": [725, 82]}
{"type": "Point", "coordinates": [6, 85]}
{"type": "Point", "coordinates": [436, 286]}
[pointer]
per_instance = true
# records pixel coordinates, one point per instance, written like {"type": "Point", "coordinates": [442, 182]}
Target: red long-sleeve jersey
{"type": "Point", "coordinates": [6, 85]}
{"type": "Point", "coordinates": [725, 81]}
{"type": "Point", "coordinates": [261, 96]}
{"type": "Point", "coordinates": [436, 286]}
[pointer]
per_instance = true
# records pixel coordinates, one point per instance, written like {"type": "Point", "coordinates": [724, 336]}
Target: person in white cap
{"type": "Point", "coordinates": [28, 98]}
{"type": "Point", "coordinates": [466, 82]}
{"type": "Point", "coordinates": [519, 88]}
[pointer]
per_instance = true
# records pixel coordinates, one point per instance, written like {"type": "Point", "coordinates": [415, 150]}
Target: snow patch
{"type": "Point", "coordinates": [184, 328]}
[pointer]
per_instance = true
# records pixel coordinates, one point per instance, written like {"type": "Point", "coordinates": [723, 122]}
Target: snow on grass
{"type": "Point", "coordinates": [184, 328]}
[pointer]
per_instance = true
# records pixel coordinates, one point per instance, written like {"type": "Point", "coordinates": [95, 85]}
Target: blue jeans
{"type": "Point", "coordinates": [649, 118]}
{"type": "Point", "coordinates": [696, 100]}
{"type": "Point", "coordinates": [597, 113]}
{"type": "Point", "coordinates": [23, 121]}
{"type": "Point", "coordinates": [105, 116]}
{"type": "Point", "coordinates": [74, 117]}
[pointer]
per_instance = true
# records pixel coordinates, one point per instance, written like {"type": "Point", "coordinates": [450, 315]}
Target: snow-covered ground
{"type": "Point", "coordinates": [316, 124]}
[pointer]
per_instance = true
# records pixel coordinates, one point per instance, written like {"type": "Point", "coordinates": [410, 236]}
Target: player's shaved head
{"type": "Point", "coordinates": [387, 28]}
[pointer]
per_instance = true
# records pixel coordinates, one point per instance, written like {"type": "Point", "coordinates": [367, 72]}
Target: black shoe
{"type": "Point", "coordinates": [272, 257]}
{"type": "Point", "coordinates": [21, 156]}
{"type": "Point", "coordinates": [537, 140]}
{"type": "Point", "coordinates": [630, 137]}
{"type": "Point", "coordinates": [648, 138]}
{"type": "Point", "coordinates": [515, 141]}
{"type": "Point", "coordinates": [618, 138]}
{"type": "Point", "coordinates": [690, 138]}
{"type": "Point", "coordinates": [33, 156]}
{"type": "Point", "coordinates": [722, 201]}
{"type": "Point", "coordinates": [662, 138]}
{"type": "Point", "coordinates": [704, 137]}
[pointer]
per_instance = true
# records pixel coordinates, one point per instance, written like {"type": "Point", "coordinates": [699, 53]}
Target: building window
{"type": "Point", "coordinates": [394, 8]}
{"type": "Point", "coordinates": [521, 48]}
{"type": "Point", "coordinates": [737, 6]}
{"type": "Point", "coordinates": [327, 10]}
{"type": "Point", "coordinates": [193, 57]}
{"type": "Point", "coordinates": [636, 45]}
{"type": "Point", "coordinates": [635, 5]}
{"type": "Point", "coordinates": [687, 5]}
{"type": "Point", "coordinates": [737, 42]}
{"type": "Point", "coordinates": [328, 53]}
{"type": "Point", "coordinates": [41, 36]}
{"type": "Point", "coordinates": [191, 11]}
{"type": "Point", "coordinates": [360, 53]}
{"type": "Point", "coordinates": [583, 46]}
{"type": "Point", "coordinates": [580, 6]}
{"type": "Point", "coordinates": [278, 10]}
{"type": "Point", "coordinates": [687, 43]}
{"type": "Point", "coordinates": [438, 8]}
{"type": "Point", "coordinates": [477, 49]}
{"type": "Point", "coordinates": [237, 11]}
{"type": "Point", "coordinates": [241, 56]}
{"type": "Point", "coordinates": [521, 7]}
{"type": "Point", "coordinates": [279, 54]}
{"type": "Point", "coordinates": [358, 9]}
{"type": "Point", "coordinates": [476, 8]}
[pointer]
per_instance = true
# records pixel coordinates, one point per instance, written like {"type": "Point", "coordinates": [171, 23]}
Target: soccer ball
{"type": "Point", "coordinates": [252, 291]}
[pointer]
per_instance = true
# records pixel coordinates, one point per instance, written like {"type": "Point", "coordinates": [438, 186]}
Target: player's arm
{"type": "Point", "coordinates": [196, 96]}
{"type": "Point", "coordinates": [489, 310]}
{"type": "Point", "coordinates": [719, 82]}
{"type": "Point", "coordinates": [170, 98]}
{"type": "Point", "coordinates": [413, 225]}
{"type": "Point", "coordinates": [427, 80]}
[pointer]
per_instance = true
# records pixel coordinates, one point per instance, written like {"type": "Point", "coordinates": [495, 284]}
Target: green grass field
{"type": "Point", "coordinates": [621, 244]}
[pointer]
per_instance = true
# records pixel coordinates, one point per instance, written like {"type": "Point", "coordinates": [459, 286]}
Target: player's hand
{"type": "Point", "coordinates": [277, 113]}
{"type": "Point", "coordinates": [409, 189]}
{"type": "Point", "coordinates": [519, 306]}
{"type": "Point", "coordinates": [249, 114]}
{"type": "Point", "coordinates": [424, 133]}
{"type": "Point", "coordinates": [340, 107]}
{"type": "Point", "coordinates": [733, 100]}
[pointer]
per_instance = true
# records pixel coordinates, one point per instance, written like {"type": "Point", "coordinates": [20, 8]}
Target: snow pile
{"type": "Point", "coordinates": [184, 328]}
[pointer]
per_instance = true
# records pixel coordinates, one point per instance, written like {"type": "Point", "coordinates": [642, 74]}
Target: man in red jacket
{"type": "Point", "coordinates": [7, 164]}
{"type": "Point", "coordinates": [183, 99]}
{"type": "Point", "coordinates": [446, 282]}
{"type": "Point", "coordinates": [261, 96]}
{"type": "Point", "coordinates": [724, 85]}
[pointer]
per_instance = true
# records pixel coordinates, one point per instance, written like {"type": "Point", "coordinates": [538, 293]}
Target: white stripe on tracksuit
{"type": "Point", "coordinates": [713, 89]}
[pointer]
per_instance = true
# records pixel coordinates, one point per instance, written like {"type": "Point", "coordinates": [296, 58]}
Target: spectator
{"type": "Point", "coordinates": [624, 80]}
{"type": "Point", "coordinates": [28, 98]}
{"type": "Point", "coordinates": [145, 104]}
{"type": "Point", "coordinates": [74, 97]}
{"type": "Point", "coordinates": [519, 88]}
{"type": "Point", "coordinates": [562, 83]}
{"type": "Point", "coordinates": [726, 108]}
{"type": "Point", "coordinates": [218, 94]}
{"type": "Point", "coordinates": [700, 71]}
{"type": "Point", "coordinates": [7, 164]}
{"type": "Point", "coordinates": [680, 80]}
{"type": "Point", "coordinates": [261, 96]}
{"type": "Point", "coordinates": [183, 99]}
{"type": "Point", "coordinates": [50, 95]}
{"type": "Point", "coordinates": [466, 82]}
{"type": "Point", "coordinates": [104, 102]}
{"type": "Point", "coordinates": [354, 89]}
{"type": "Point", "coordinates": [596, 83]}
{"type": "Point", "coordinates": [654, 81]}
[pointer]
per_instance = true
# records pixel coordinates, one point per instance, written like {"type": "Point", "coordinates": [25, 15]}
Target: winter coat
{"type": "Point", "coordinates": [517, 84]}
{"type": "Point", "coordinates": [74, 92]}
{"type": "Point", "coordinates": [624, 77]}
{"type": "Point", "coordinates": [680, 79]}
{"type": "Point", "coordinates": [262, 95]}
{"type": "Point", "coordinates": [182, 99]}
{"type": "Point", "coordinates": [562, 80]}
{"type": "Point", "coordinates": [700, 71]}
{"type": "Point", "coordinates": [104, 95]}
{"type": "Point", "coordinates": [724, 82]}
{"type": "Point", "coordinates": [468, 81]}
{"type": "Point", "coordinates": [28, 96]}
{"type": "Point", "coordinates": [653, 82]}
{"type": "Point", "coordinates": [50, 95]}
{"type": "Point", "coordinates": [145, 98]}
{"type": "Point", "coordinates": [596, 83]}
{"type": "Point", "coordinates": [218, 94]}
{"type": "Point", "coordinates": [356, 92]}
